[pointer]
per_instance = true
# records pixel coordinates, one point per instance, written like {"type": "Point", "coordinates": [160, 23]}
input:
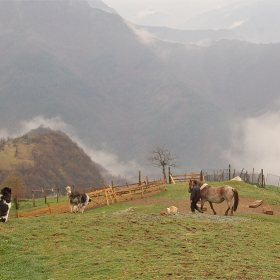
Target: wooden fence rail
{"type": "Point", "coordinates": [138, 190]}
{"type": "Point", "coordinates": [106, 196]}
{"type": "Point", "coordinates": [185, 178]}
{"type": "Point", "coordinates": [45, 191]}
{"type": "Point", "coordinates": [54, 209]}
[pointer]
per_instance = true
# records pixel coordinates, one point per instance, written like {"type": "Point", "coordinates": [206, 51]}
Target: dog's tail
{"type": "Point", "coordinates": [68, 189]}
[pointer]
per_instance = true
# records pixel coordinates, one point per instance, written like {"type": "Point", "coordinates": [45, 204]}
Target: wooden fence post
{"type": "Point", "coordinates": [105, 193]}
{"type": "Point", "coordinates": [114, 194]}
{"type": "Point", "coordinates": [110, 194]}
{"type": "Point", "coordinates": [262, 179]}
{"type": "Point", "coordinates": [139, 177]}
{"type": "Point", "coordinates": [229, 172]}
{"type": "Point", "coordinates": [169, 173]}
{"type": "Point", "coordinates": [33, 198]}
{"type": "Point", "coordinates": [106, 196]}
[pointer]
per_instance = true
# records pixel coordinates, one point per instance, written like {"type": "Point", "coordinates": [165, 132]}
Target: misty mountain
{"type": "Point", "coordinates": [120, 90]}
{"type": "Point", "coordinates": [261, 28]}
{"type": "Point", "coordinates": [229, 16]}
{"type": "Point", "coordinates": [253, 21]}
{"type": "Point", "coordinates": [250, 21]}
{"type": "Point", "coordinates": [198, 37]}
{"type": "Point", "coordinates": [98, 4]}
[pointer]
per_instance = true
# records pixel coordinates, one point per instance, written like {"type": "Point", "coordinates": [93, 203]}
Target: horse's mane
{"type": "Point", "coordinates": [203, 186]}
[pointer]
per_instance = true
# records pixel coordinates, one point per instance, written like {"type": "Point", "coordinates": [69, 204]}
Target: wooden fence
{"type": "Point", "coordinates": [45, 191]}
{"type": "Point", "coordinates": [50, 210]}
{"type": "Point", "coordinates": [184, 178]}
{"type": "Point", "coordinates": [106, 196]}
{"type": "Point", "coordinates": [136, 190]}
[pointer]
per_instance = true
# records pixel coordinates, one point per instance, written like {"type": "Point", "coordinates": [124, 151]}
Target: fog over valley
{"type": "Point", "coordinates": [120, 77]}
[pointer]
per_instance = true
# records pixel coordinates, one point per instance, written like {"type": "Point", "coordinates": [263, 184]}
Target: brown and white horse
{"type": "Point", "coordinates": [217, 195]}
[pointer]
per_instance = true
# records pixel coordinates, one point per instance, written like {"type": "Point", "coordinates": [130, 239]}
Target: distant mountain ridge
{"type": "Point", "coordinates": [251, 21]}
{"type": "Point", "coordinates": [123, 91]}
{"type": "Point", "coordinates": [98, 4]}
{"type": "Point", "coordinates": [198, 37]}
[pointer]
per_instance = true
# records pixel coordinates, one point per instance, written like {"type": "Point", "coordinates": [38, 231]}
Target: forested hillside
{"type": "Point", "coordinates": [45, 158]}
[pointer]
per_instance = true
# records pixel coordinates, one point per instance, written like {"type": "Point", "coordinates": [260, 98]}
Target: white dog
{"type": "Point", "coordinates": [5, 204]}
{"type": "Point", "coordinates": [173, 210]}
{"type": "Point", "coordinates": [78, 202]}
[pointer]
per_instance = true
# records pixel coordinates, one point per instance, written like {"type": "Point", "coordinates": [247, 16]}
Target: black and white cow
{"type": "Point", "coordinates": [5, 203]}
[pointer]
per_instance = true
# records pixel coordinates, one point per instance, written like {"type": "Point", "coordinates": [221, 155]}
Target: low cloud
{"type": "Point", "coordinates": [111, 161]}
{"type": "Point", "coordinates": [55, 123]}
{"type": "Point", "coordinates": [4, 133]}
{"type": "Point", "coordinates": [255, 144]}
{"type": "Point", "coordinates": [143, 36]}
{"type": "Point", "coordinates": [237, 23]}
{"type": "Point", "coordinates": [142, 14]}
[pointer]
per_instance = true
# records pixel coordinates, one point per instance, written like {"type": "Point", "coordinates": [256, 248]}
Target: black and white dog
{"type": "Point", "coordinates": [78, 202]}
{"type": "Point", "coordinates": [5, 203]}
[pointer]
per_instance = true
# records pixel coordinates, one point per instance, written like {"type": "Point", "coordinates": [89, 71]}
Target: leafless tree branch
{"type": "Point", "coordinates": [161, 157]}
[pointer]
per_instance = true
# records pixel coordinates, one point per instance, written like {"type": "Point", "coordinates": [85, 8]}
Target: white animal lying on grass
{"type": "Point", "coordinates": [173, 210]}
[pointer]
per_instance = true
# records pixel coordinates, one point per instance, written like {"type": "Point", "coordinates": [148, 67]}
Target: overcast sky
{"type": "Point", "coordinates": [175, 11]}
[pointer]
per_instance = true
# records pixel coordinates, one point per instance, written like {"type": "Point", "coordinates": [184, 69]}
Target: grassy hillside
{"type": "Point", "coordinates": [133, 241]}
{"type": "Point", "coordinates": [16, 152]}
{"type": "Point", "coordinates": [47, 159]}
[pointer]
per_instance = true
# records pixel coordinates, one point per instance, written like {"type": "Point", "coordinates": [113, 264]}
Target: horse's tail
{"type": "Point", "coordinates": [236, 199]}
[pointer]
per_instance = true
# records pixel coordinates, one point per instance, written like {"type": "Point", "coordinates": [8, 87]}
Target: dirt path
{"type": "Point", "coordinates": [184, 205]}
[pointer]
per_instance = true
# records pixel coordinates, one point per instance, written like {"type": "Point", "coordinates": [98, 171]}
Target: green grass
{"type": "Point", "coordinates": [110, 243]}
{"type": "Point", "coordinates": [272, 188]}
{"type": "Point", "coordinates": [11, 162]}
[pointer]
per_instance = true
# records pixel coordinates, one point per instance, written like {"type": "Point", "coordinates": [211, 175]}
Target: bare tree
{"type": "Point", "coordinates": [162, 157]}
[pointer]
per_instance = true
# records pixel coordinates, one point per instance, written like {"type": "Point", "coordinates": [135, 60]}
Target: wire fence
{"type": "Point", "coordinates": [228, 174]}
{"type": "Point", "coordinates": [218, 175]}
{"type": "Point", "coordinates": [213, 175]}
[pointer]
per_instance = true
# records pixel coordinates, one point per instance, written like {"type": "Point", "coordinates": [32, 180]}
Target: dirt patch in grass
{"type": "Point", "coordinates": [184, 205]}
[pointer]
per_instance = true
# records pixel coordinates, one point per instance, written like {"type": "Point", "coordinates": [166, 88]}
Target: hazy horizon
{"type": "Point", "coordinates": [174, 12]}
